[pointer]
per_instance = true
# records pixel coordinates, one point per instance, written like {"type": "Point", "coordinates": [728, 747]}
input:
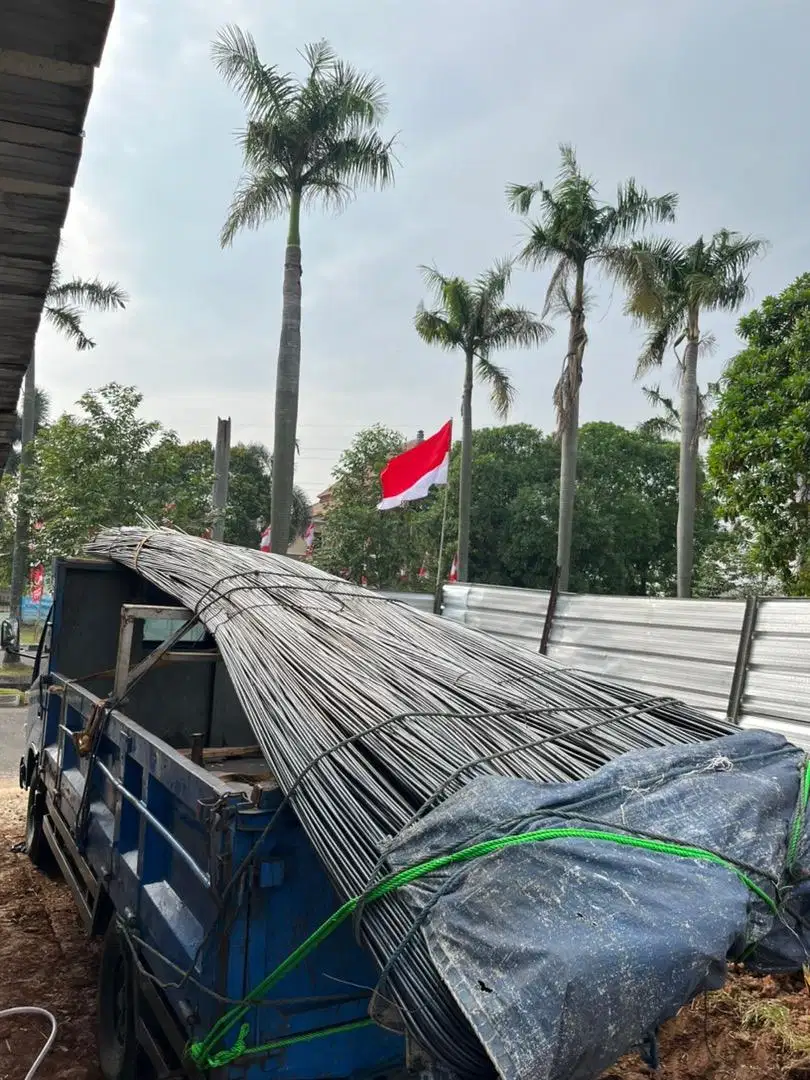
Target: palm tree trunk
{"type": "Point", "coordinates": [569, 431]}
{"type": "Point", "coordinates": [687, 470]}
{"type": "Point", "coordinates": [287, 384]}
{"type": "Point", "coordinates": [20, 554]}
{"type": "Point", "coordinates": [465, 480]}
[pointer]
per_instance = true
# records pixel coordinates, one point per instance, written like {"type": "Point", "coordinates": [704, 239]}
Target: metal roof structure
{"type": "Point", "coordinates": [49, 50]}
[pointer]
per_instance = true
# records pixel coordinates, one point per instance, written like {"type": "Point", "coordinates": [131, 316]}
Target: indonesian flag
{"type": "Point", "coordinates": [453, 575]}
{"type": "Point", "coordinates": [423, 570]}
{"type": "Point", "coordinates": [309, 536]}
{"type": "Point", "coordinates": [264, 543]}
{"type": "Point", "coordinates": [411, 475]}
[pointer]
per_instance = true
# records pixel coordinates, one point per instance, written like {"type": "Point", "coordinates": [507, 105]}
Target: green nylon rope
{"type": "Point", "coordinates": [801, 814]}
{"type": "Point", "coordinates": [200, 1052]}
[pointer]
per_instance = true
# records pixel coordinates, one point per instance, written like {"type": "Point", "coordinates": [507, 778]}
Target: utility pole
{"type": "Point", "coordinates": [222, 461]}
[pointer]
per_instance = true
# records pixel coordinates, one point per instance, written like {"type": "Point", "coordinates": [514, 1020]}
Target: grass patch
{"type": "Point", "coordinates": [778, 1019]}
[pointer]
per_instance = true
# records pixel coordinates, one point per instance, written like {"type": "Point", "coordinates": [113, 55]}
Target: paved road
{"type": "Point", "coordinates": [12, 732]}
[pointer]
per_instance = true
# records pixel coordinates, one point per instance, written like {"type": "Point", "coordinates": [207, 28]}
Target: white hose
{"type": "Point", "coordinates": [34, 1010]}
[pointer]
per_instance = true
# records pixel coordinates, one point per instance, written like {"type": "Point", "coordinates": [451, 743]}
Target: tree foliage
{"type": "Point", "coordinates": [106, 465]}
{"type": "Point", "coordinates": [625, 542]}
{"type": "Point", "coordinates": [759, 456]}
{"type": "Point", "coordinates": [362, 543]}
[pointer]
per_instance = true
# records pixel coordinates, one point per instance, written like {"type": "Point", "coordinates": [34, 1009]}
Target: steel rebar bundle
{"type": "Point", "coordinates": [368, 711]}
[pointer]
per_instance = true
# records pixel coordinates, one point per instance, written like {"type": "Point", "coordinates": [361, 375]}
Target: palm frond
{"type": "Point", "coordinates": [265, 91]}
{"type": "Point", "coordinates": [502, 392]}
{"type": "Point", "coordinates": [646, 269]}
{"type": "Point", "coordinates": [363, 94]}
{"type": "Point", "coordinates": [519, 197]}
{"type": "Point", "coordinates": [435, 329]}
{"type": "Point", "coordinates": [259, 197]}
{"type": "Point", "coordinates": [516, 327]}
{"type": "Point", "coordinates": [491, 286]}
{"type": "Point", "coordinates": [453, 295]}
{"type": "Point", "coordinates": [655, 347]}
{"type": "Point", "coordinates": [366, 160]}
{"type": "Point", "coordinates": [542, 246]}
{"type": "Point", "coordinates": [94, 295]}
{"type": "Point", "coordinates": [636, 209]}
{"type": "Point", "coordinates": [557, 286]}
{"type": "Point", "coordinates": [320, 57]}
{"type": "Point", "coordinates": [68, 321]}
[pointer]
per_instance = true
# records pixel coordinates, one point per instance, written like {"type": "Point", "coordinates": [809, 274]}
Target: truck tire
{"type": "Point", "coordinates": [36, 843]}
{"type": "Point", "coordinates": [117, 1039]}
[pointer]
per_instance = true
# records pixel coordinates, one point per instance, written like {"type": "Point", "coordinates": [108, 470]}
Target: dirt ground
{"type": "Point", "coordinates": [45, 959]}
{"type": "Point", "coordinates": [755, 1029]}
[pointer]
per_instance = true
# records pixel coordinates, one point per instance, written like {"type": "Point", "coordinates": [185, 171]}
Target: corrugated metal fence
{"type": "Point", "coordinates": [750, 661]}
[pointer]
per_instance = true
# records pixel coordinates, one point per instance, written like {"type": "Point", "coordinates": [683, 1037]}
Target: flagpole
{"type": "Point", "coordinates": [441, 541]}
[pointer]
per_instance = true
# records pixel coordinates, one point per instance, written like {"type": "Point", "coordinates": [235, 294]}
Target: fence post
{"type": "Point", "coordinates": [550, 610]}
{"type": "Point", "coordinates": [738, 679]}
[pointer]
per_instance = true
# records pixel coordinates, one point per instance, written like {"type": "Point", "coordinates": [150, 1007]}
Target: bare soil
{"type": "Point", "coordinates": [755, 1029]}
{"type": "Point", "coordinates": [45, 959]}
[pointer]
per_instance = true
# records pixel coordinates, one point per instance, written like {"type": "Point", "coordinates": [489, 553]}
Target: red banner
{"type": "Point", "coordinates": [37, 579]}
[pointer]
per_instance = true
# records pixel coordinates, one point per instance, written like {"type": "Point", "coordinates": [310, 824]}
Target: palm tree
{"type": "Point", "coordinates": [670, 286]}
{"type": "Point", "coordinates": [65, 305]}
{"type": "Point", "coordinates": [471, 317]}
{"type": "Point", "coordinates": [668, 422]}
{"type": "Point", "coordinates": [575, 229]}
{"type": "Point", "coordinates": [307, 140]}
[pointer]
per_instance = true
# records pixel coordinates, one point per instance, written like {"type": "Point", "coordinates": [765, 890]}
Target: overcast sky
{"type": "Point", "coordinates": [705, 99]}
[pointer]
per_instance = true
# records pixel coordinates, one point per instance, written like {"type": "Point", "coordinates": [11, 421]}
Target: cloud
{"type": "Point", "coordinates": [704, 101]}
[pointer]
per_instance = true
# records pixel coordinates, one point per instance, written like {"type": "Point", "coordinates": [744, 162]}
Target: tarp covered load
{"type": "Point", "coordinates": [565, 953]}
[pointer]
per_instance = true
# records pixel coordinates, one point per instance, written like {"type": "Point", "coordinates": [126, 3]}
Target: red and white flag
{"type": "Point", "coordinates": [411, 475]}
{"type": "Point", "coordinates": [309, 536]}
{"type": "Point", "coordinates": [423, 569]}
{"type": "Point", "coordinates": [453, 575]}
{"type": "Point", "coordinates": [264, 543]}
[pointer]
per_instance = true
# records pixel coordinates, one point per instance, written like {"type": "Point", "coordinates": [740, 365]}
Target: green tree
{"type": "Point", "coordinates": [759, 454]}
{"type": "Point", "coordinates": [625, 542]}
{"type": "Point", "coordinates": [471, 318]}
{"type": "Point", "coordinates": [358, 541]}
{"type": "Point", "coordinates": [670, 287]}
{"type": "Point", "coordinates": [306, 141]}
{"type": "Point", "coordinates": [576, 230]}
{"type": "Point", "coordinates": [92, 470]}
{"type": "Point", "coordinates": [66, 302]}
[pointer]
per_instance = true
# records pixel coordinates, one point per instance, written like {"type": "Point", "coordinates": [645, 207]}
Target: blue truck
{"type": "Point", "coordinates": [147, 792]}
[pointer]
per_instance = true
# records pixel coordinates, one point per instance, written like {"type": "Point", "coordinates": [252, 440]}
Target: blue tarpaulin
{"type": "Point", "coordinates": [564, 954]}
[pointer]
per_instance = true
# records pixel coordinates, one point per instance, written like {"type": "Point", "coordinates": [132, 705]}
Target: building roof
{"type": "Point", "coordinates": [49, 50]}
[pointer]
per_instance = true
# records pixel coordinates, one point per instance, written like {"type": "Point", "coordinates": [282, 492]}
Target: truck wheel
{"type": "Point", "coordinates": [117, 1040]}
{"type": "Point", "coordinates": [36, 843]}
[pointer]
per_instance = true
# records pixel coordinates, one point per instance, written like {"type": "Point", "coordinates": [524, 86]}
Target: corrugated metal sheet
{"type": "Point", "coordinates": [423, 601]}
{"type": "Point", "coordinates": [777, 684]}
{"type": "Point", "coordinates": [514, 615]}
{"type": "Point", "coordinates": [682, 648]}
{"type": "Point", "coordinates": [48, 51]}
{"type": "Point", "coordinates": [685, 649]}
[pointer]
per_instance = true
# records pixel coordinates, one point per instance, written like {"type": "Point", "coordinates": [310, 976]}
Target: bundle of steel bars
{"type": "Point", "coordinates": [368, 711]}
